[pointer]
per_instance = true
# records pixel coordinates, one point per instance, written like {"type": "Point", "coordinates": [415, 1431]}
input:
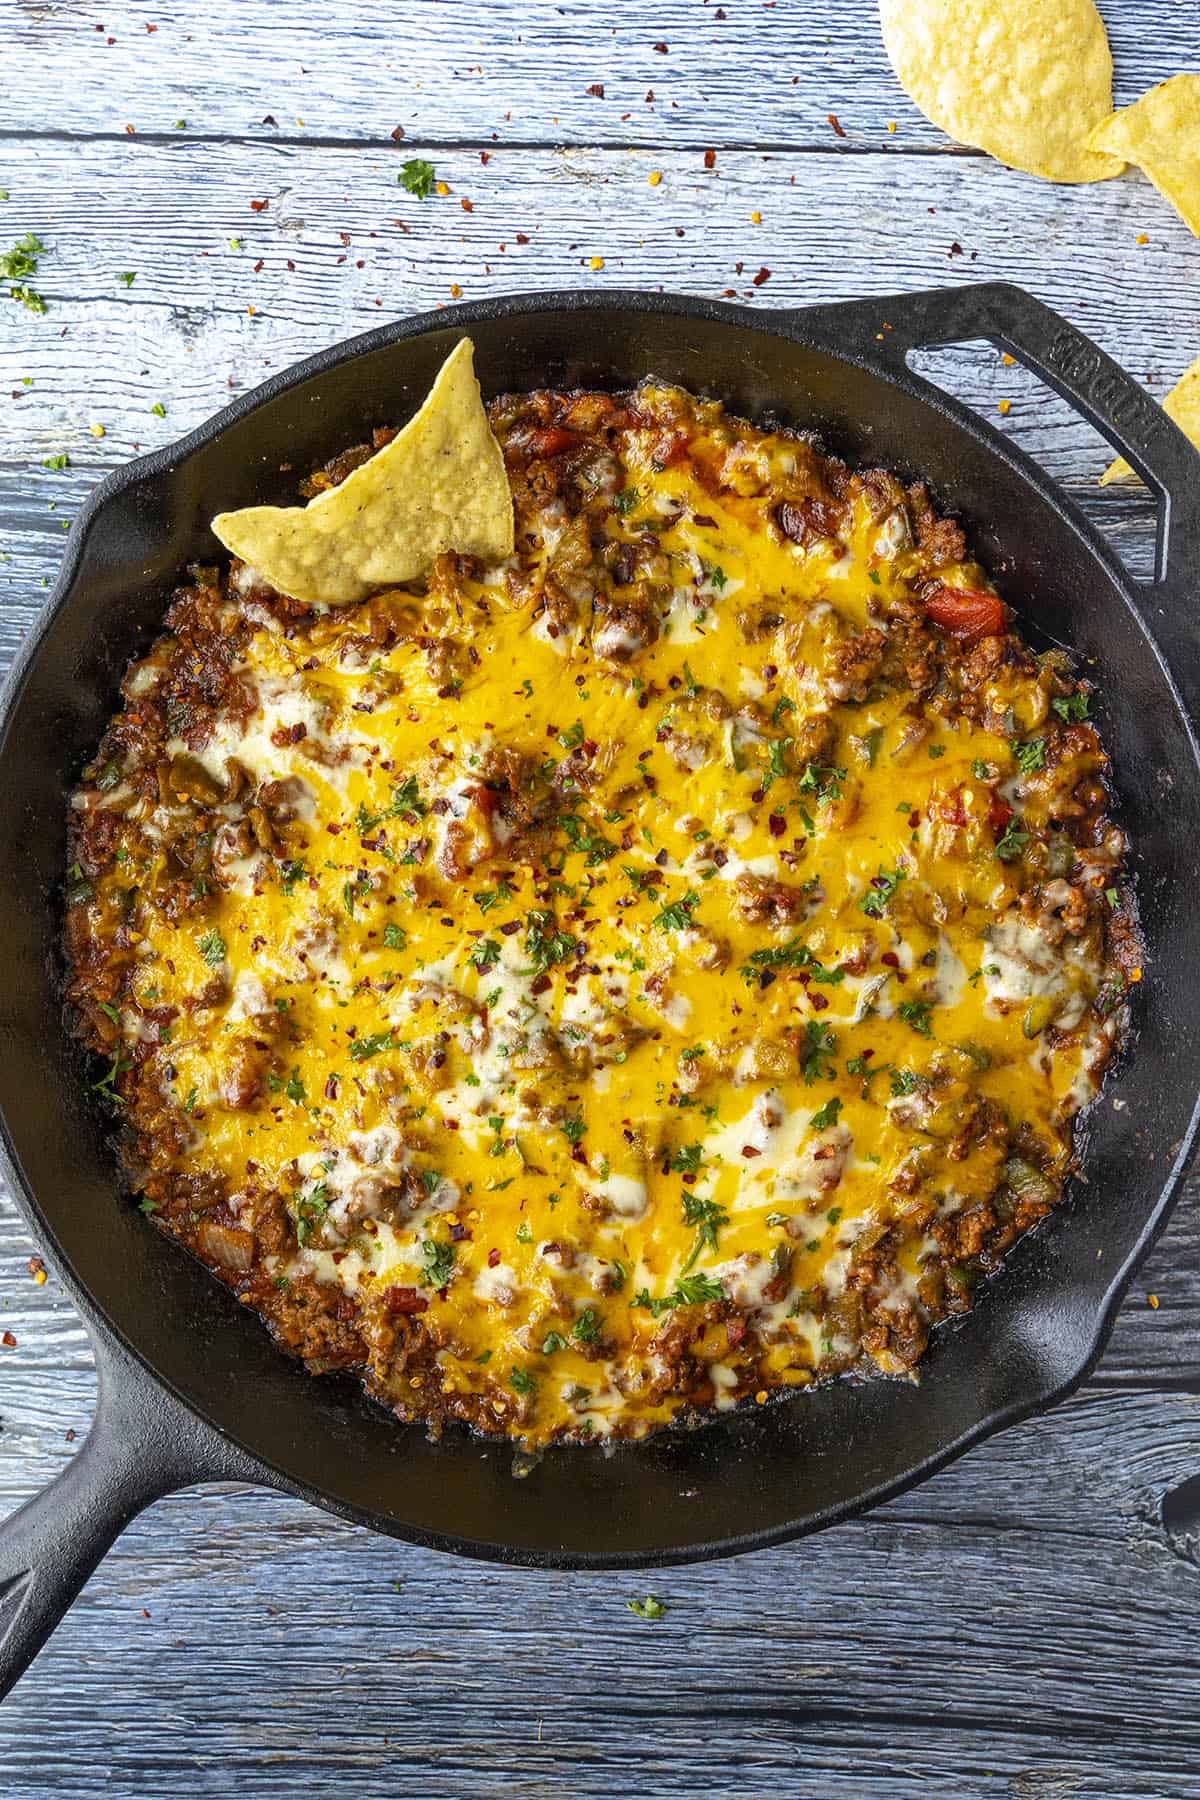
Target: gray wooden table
{"type": "Point", "coordinates": [1025, 1624]}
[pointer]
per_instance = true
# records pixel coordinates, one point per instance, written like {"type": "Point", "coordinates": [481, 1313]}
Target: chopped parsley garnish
{"type": "Point", "coordinates": [553, 1340]}
{"type": "Point", "coordinates": [1031, 755]}
{"type": "Point", "coordinates": [815, 1059]}
{"type": "Point", "coordinates": [678, 915]}
{"type": "Point", "coordinates": [573, 737]}
{"type": "Point", "coordinates": [294, 1088]}
{"type": "Point", "coordinates": [1072, 709]}
{"type": "Point", "coordinates": [588, 1326]}
{"type": "Point", "coordinates": [159, 410]}
{"type": "Point", "coordinates": [290, 874]}
{"type": "Point", "coordinates": [626, 500]}
{"type": "Point", "coordinates": [394, 937]}
{"type": "Point", "coordinates": [127, 277]}
{"type": "Point", "coordinates": [782, 705]}
{"type": "Point", "coordinates": [916, 1013]}
{"type": "Point", "coordinates": [212, 948]}
{"type": "Point", "coordinates": [521, 1381]}
{"type": "Point", "coordinates": [364, 1048]}
{"type": "Point", "coordinates": [827, 1116]}
{"type": "Point", "coordinates": [486, 898]}
{"type": "Point", "coordinates": [486, 954]}
{"type": "Point", "coordinates": [309, 1211]}
{"type": "Point", "coordinates": [545, 945]}
{"type": "Point", "coordinates": [60, 461]}
{"type": "Point", "coordinates": [438, 1263]}
{"type": "Point", "coordinates": [417, 177]}
{"type": "Point", "coordinates": [687, 1159]}
{"type": "Point", "coordinates": [1012, 843]}
{"type": "Point", "coordinates": [708, 1218]}
{"type": "Point", "coordinates": [776, 762]}
{"type": "Point", "coordinates": [904, 1081]}
{"type": "Point", "coordinates": [874, 902]}
{"type": "Point", "coordinates": [689, 1290]}
{"type": "Point", "coordinates": [979, 770]}
{"type": "Point", "coordinates": [573, 1128]}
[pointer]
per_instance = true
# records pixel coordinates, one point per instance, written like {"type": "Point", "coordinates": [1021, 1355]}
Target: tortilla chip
{"type": "Point", "coordinates": [439, 485]}
{"type": "Point", "coordinates": [1161, 134]}
{"type": "Point", "coordinates": [1183, 405]}
{"type": "Point", "coordinates": [1025, 80]}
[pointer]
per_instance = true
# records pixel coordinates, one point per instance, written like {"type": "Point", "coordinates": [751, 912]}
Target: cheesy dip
{"type": "Point", "coordinates": [651, 973]}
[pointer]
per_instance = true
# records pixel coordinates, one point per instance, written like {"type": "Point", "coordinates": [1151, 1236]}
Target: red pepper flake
{"type": "Point", "coordinates": [70, 1434]}
{"type": "Point", "coordinates": [8, 1340]}
{"type": "Point", "coordinates": [818, 1002]}
{"type": "Point", "coordinates": [710, 159]}
{"type": "Point", "coordinates": [129, 128]}
{"type": "Point", "coordinates": [838, 127]}
{"type": "Point", "coordinates": [891, 959]}
{"type": "Point", "coordinates": [522, 238]}
{"type": "Point", "coordinates": [270, 119]}
{"type": "Point", "coordinates": [663, 49]}
{"type": "Point", "coordinates": [259, 205]}
{"type": "Point", "coordinates": [776, 824]}
{"type": "Point", "coordinates": [493, 1259]}
{"type": "Point", "coordinates": [397, 134]}
{"type": "Point", "coordinates": [151, 28]}
{"type": "Point", "coordinates": [597, 90]}
{"type": "Point", "coordinates": [331, 1087]}
{"type": "Point", "coordinates": [749, 1150]}
{"type": "Point", "coordinates": [467, 205]}
{"type": "Point", "coordinates": [259, 266]}
{"type": "Point", "coordinates": [764, 274]}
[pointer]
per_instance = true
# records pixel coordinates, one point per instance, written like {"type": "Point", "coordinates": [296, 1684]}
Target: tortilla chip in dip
{"type": "Point", "coordinates": [1183, 405]}
{"type": "Point", "coordinates": [1025, 80]}
{"type": "Point", "coordinates": [439, 485]}
{"type": "Point", "coordinates": [1161, 134]}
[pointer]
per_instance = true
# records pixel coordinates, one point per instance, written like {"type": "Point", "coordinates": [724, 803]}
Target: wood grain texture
{"type": "Point", "coordinates": [1021, 1626]}
{"type": "Point", "coordinates": [449, 70]}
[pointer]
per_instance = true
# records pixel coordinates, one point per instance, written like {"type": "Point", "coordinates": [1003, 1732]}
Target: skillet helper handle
{"type": "Point", "coordinates": [142, 1445]}
{"type": "Point", "coordinates": [1111, 400]}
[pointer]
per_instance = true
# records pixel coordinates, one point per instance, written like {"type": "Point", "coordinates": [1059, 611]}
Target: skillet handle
{"type": "Point", "coordinates": [142, 1444]}
{"type": "Point", "coordinates": [888, 327]}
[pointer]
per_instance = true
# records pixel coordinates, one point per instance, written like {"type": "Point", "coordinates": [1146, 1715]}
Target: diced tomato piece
{"type": "Point", "coordinates": [966, 613]}
{"type": "Point", "coordinates": [547, 440]}
{"type": "Point", "coordinates": [405, 1300]}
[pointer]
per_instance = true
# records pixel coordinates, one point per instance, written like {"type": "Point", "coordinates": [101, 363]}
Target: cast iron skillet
{"type": "Point", "coordinates": [191, 1388]}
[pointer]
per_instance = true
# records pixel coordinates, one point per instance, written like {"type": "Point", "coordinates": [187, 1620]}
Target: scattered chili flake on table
{"type": "Point", "coordinates": [710, 159]}
{"type": "Point", "coordinates": [1004, 407]}
{"type": "Point", "coordinates": [37, 1269]}
{"type": "Point", "coordinates": [654, 177]}
{"type": "Point", "coordinates": [764, 274]}
{"type": "Point", "coordinates": [1153, 1300]}
{"type": "Point", "coordinates": [8, 1340]}
{"type": "Point", "coordinates": [259, 205]}
{"type": "Point", "coordinates": [838, 127]}
{"type": "Point", "coordinates": [596, 90]}
{"type": "Point", "coordinates": [397, 134]}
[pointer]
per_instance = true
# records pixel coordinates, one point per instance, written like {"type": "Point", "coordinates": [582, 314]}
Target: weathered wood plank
{"type": "Point", "coordinates": [814, 1669]}
{"type": "Point", "coordinates": [738, 73]}
{"type": "Point", "coordinates": [183, 334]}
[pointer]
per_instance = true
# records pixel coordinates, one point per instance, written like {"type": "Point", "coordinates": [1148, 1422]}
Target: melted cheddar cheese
{"type": "Point", "coordinates": [653, 973]}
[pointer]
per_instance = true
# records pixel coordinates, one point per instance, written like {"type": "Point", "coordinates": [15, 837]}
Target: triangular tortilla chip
{"type": "Point", "coordinates": [1161, 134]}
{"type": "Point", "coordinates": [1025, 80]}
{"type": "Point", "coordinates": [439, 485]}
{"type": "Point", "coordinates": [1183, 405]}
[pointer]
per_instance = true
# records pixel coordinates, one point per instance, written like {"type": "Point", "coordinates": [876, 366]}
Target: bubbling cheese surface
{"type": "Point", "coordinates": [652, 973]}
